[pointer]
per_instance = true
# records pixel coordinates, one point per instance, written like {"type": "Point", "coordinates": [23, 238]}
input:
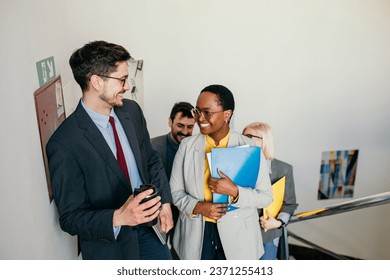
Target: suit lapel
{"type": "Point", "coordinates": [130, 132]}
{"type": "Point", "coordinates": [96, 139]}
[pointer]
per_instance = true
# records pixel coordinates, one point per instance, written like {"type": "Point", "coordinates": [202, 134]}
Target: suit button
{"type": "Point", "coordinates": [235, 215]}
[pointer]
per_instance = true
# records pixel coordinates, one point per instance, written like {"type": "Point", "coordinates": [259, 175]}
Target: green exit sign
{"type": "Point", "coordinates": [46, 70]}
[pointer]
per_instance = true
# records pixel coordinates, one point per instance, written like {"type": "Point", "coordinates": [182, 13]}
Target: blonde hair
{"type": "Point", "coordinates": [265, 131]}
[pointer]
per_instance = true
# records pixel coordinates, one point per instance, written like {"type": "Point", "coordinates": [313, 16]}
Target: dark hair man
{"type": "Point", "coordinates": [99, 155]}
{"type": "Point", "coordinates": [182, 124]}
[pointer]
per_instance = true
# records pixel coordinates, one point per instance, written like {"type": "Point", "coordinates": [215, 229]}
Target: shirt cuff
{"type": "Point", "coordinates": [117, 230]}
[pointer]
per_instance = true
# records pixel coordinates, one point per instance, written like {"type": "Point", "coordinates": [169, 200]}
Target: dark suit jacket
{"type": "Point", "coordinates": [160, 143]}
{"type": "Point", "coordinates": [88, 184]}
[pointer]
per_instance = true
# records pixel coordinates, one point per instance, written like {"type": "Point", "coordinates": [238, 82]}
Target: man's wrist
{"type": "Point", "coordinates": [116, 221]}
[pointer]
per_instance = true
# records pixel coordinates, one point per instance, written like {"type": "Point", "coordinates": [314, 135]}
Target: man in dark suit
{"type": "Point", "coordinates": [182, 124]}
{"type": "Point", "coordinates": [94, 197]}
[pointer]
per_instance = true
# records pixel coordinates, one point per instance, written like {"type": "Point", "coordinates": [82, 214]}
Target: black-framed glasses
{"type": "Point", "coordinates": [123, 80]}
{"type": "Point", "coordinates": [196, 113]}
{"type": "Point", "coordinates": [252, 136]}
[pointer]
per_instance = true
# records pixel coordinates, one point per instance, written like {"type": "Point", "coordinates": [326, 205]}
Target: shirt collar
{"type": "Point", "coordinates": [222, 143]}
{"type": "Point", "coordinates": [99, 119]}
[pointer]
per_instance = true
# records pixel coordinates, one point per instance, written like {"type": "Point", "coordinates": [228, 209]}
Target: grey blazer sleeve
{"type": "Point", "coordinates": [186, 193]}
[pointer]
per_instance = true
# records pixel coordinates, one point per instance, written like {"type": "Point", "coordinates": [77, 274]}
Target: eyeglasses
{"type": "Point", "coordinates": [123, 80]}
{"type": "Point", "coordinates": [252, 136]}
{"type": "Point", "coordinates": [204, 113]}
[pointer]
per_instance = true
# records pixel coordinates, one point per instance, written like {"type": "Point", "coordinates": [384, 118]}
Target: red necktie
{"type": "Point", "coordinates": [120, 156]}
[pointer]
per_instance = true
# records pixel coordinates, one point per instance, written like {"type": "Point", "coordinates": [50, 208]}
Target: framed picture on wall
{"type": "Point", "coordinates": [337, 174]}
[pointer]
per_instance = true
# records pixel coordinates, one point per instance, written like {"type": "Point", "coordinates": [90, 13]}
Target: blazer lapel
{"type": "Point", "coordinates": [198, 163]}
{"type": "Point", "coordinates": [130, 132]}
{"type": "Point", "coordinates": [97, 140]}
{"type": "Point", "coordinates": [233, 140]}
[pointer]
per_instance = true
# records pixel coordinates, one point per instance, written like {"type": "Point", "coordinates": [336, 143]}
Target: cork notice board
{"type": "Point", "coordinates": [49, 105]}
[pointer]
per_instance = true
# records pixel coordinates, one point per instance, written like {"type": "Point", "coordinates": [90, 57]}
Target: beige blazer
{"type": "Point", "coordinates": [239, 229]}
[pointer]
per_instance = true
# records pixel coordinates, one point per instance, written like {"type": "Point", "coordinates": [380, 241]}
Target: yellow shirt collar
{"type": "Point", "coordinates": [210, 143]}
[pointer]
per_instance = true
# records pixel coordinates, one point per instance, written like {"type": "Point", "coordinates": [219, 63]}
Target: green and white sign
{"type": "Point", "coordinates": [46, 70]}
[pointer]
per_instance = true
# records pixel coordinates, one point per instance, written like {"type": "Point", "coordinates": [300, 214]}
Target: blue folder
{"type": "Point", "coordinates": [240, 164]}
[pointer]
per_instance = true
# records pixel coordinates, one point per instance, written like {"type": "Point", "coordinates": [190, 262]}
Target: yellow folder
{"type": "Point", "coordinates": [278, 193]}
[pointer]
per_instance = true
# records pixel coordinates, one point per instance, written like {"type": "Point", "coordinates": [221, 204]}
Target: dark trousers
{"type": "Point", "coordinates": [150, 246]}
{"type": "Point", "coordinates": [212, 247]}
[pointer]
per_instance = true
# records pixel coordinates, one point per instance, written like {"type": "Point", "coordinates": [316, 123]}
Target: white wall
{"type": "Point", "coordinates": [317, 71]}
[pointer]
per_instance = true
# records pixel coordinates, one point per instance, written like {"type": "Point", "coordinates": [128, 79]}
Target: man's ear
{"type": "Point", "coordinates": [96, 82]}
{"type": "Point", "coordinates": [169, 122]}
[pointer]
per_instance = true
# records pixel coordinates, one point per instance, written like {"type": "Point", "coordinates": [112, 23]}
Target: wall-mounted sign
{"type": "Point", "coordinates": [46, 70]}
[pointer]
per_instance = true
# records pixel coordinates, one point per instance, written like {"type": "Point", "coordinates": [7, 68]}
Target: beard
{"type": "Point", "coordinates": [114, 101]}
{"type": "Point", "coordinates": [180, 136]}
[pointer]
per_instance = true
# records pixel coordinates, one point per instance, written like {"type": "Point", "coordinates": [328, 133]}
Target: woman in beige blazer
{"type": "Point", "coordinates": [204, 229]}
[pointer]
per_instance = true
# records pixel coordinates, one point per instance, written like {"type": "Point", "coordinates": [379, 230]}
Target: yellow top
{"type": "Point", "coordinates": [210, 143]}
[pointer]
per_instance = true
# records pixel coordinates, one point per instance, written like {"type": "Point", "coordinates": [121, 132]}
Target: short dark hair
{"type": "Point", "coordinates": [97, 57]}
{"type": "Point", "coordinates": [181, 107]}
{"type": "Point", "coordinates": [225, 96]}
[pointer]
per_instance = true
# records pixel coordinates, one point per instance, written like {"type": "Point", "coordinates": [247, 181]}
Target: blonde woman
{"type": "Point", "coordinates": [263, 136]}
